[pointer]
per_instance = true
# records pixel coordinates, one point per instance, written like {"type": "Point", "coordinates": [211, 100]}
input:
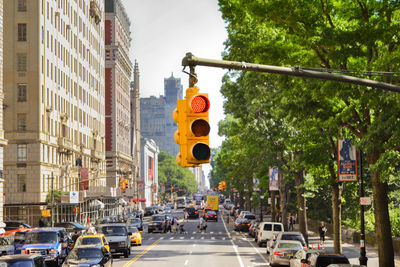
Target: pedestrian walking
{"type": "Point", "coordinates": [175, 225]}
{"type": "Point", "coordinates": [201, 224]}
{"type": "Point", "coordinates": [185, 215]}
{"type": "Point", "coordinates": [227, 221]}
{"type": "Point", "coordinates": [322, 232]}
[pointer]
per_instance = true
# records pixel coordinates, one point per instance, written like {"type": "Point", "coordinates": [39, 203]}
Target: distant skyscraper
{"type": "Point", "coordinates": [156, 116]}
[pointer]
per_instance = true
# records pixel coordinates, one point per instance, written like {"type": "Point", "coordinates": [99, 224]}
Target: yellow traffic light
{"type": "Point", "coordinates": [126, 183]}
{"type": "Point", "coordinates": [198, 127]}
{"type": "Point", "coordinates": [180, 136]}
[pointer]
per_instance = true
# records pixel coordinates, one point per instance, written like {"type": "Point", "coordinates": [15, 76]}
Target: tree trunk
{"type": "Point", "coordinates": [337, 189]}
{"type": "Point", "coordinates": [273, 212]}
{"type": "Point", "coordinates": [282, 199]}
{"type": "Point", "coordinates": [382, 219]}
{"type": "Point", "coordinates": [301, 203]}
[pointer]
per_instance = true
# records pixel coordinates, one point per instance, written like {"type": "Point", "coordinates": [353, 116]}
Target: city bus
{"type": "Point", "coordinates": [180, 202]}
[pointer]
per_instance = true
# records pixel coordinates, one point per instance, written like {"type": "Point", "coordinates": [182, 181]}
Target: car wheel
{"type": "Point", "coordinates": [259, 243]}
{"type": "Point", "coordinates": [126, 254]}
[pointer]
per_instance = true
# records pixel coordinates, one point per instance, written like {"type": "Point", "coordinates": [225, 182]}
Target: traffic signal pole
{"type": "Point", "coordinates": [192, 61]}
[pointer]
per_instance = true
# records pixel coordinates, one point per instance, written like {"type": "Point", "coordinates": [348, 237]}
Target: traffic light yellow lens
{"type": "Point", "coordinates": [199, 104]}
{"type": "Point", "coordinates": [201, 151]}
{"type": "Point", "coordinates": [200, 128]}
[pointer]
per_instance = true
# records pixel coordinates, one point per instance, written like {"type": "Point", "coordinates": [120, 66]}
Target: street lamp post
{"type": "Point", "coordinates": [363, 258]}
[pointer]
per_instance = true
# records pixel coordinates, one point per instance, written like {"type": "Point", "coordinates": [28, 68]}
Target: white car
{"type": "Point", "coordinates": [267, 230]}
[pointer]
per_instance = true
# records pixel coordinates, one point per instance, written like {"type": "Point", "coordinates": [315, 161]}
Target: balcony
{"type": "Point", "coordinates": [65, 145]}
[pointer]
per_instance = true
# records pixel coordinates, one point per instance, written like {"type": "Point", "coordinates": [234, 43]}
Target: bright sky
{"type": "Point", "coordinates": [163, 31]}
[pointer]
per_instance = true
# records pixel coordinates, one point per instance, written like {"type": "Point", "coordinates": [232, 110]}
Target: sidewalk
{"type": "Point", "coordinates": [352, 250]}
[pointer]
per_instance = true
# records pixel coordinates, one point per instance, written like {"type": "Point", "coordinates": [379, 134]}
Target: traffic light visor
{"type": "Point", "coordinates": [201, 151]}
{"type": "Point", "coordinates": [199, 104]}
{"type": "Point", "coordinates": [200, 127]}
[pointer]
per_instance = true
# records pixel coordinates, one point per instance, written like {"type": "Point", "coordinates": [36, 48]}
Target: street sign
{"type": "Point", "coordinates": [74, 197]}
{"type": "Point", "coordinates": [347, 161]}
{"type": "Point", "coordinates": [365, 201]}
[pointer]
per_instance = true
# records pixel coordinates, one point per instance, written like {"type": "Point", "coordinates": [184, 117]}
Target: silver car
{"type": "Point", "coordinates": [283, 251]}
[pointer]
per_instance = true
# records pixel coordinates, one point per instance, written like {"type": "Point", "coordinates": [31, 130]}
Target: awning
{"type": "Point", "coordinates": [97, 204]}
{"type": "Point", "coordinates": [142, 199]}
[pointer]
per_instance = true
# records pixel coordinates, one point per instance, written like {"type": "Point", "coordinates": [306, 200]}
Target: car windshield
{"type": "Point", "coordinates": [133, 230]}
{"type": "Point", "coordinates": [294, 237]}
{"type": "Point", "coordinates": [114, 231]}
{"type": "Point", "coordinates": [325, 261]}
{"type": "Point", "coordinates": [6, 240]}
{"type": "Point", "coordinates": [85, 253]}
{"type": "Point", "coordinates": [157, 218]}
{"type": "Point", "coordinates": [88, 241]}
{"type": "Point", "coordinates": [290, 246]}
{"type": "Point", "coordinates": [211, 212]}
{"type": "Point", "coordinates": [17, 263]}
{"type": "Point", "coordinates": [242, 221]}
{"type": "Point", "coordinates": [41, 237]}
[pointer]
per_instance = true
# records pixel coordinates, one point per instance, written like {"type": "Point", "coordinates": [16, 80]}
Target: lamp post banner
{"type": "Point", "coordinates": [347, 161]}
{"type": "Point", "coordinates": [273, 179]}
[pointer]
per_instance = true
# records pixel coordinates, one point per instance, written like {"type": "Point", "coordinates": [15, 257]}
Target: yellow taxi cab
{"type": "Point", "coordinates": [93, 239]}
{"type": "Point", "coordinates": [136, 237]}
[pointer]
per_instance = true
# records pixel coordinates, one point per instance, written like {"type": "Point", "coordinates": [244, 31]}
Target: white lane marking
{"type": "Point", "coordinates": [211, 232]}
{"type": "Point", "coordinates": [212, 238]}
{"type": "Point", "coordinates": [162, 238]}
{"type": "Point", "coordinates": [171, 238]}
{"type": "Point", "coordinates": [192, 237]}
{"type": "Point", "coordinates": [150, 238]}
{"type": "Point", "coordinates": [186, 262]}
{"type": "Point", "coordinates": [259, 253]}
{"type": "Point", "coordinates": [233, 245]}
{"type": "Point", "coordinates": [220, 233]}
{"type": "Point", "coordinates": [202, 238]}
{"type": "Point", "coordinates": [194, 245]}
{"type": "Point", "coordinates": [194, 232]}
{"type": "Point", "coordinates": [182, 237]}
{"type": "Point", "coordinates": [223, 238]}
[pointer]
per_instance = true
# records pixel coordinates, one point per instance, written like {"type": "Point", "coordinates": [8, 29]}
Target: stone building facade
{"type": "Point", "coordinates": [118, 71]}
{"type": "Point", "coordinates": [54, 106]}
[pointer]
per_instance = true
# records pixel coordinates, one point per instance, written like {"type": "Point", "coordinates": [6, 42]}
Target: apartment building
{"type": "Point", "coordinates": [3, 142]}
{"type": "Point", "coordinates": [118, 71]}
{"type": "Point", "coordinates": [53, 106]}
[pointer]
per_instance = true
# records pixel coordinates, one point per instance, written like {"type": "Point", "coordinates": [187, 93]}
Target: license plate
{"type": "Point", "coordinates": [289, 254]}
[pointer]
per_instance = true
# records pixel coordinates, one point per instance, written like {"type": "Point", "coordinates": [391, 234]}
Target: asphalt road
{"type": "Point", "coordinates": [215, 247]}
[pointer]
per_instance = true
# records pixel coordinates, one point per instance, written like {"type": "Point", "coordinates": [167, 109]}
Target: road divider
{"type": "Point", "coordinates": [143, 252]}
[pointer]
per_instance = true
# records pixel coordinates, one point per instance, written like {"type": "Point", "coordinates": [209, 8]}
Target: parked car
{"type": "Point", "coordinates": [51, 242]}
{"type": "Point", "coordinates": [250, 216]}
{"type": "Point", "coordinates": [96, 239]}
{"type": "Point", "coordinates": [136, 237]}
{"type": "Point", "coordinates": [89, 255]}
{"type": "Point", "coordinates": [286, 236]}
{"type": "Point", "coordinates": [136, 222]}
{"type": "Point", "coordinates": [283, 251]}
{"type": "Point", "coordinates": [118, 238]}
{"type": "Point", "coordinates": [155, 224]}
{"type": "Point", "coordinates": [252, 228]}
{"type": "Point", "coordinates": [211, 215]}
{"type": "Point", "coordinates": [31, 260]}
{"type": "Point", "coordinates": [301, 257]}
{"type": "Point", "coordinates": [234, 211]}
{"type": "Point", "coordinates": [192, 212]}
{"type": "Point", "coordinates": [243, 212]}
{"type": "Point", "coordinates": [267, 230]}
{"type": "Point", "coordinates": [13, 225]}
{"type": "Point", "coordinates": [241, 224]}
{"type": "Point", "coordinates": [324, 259]}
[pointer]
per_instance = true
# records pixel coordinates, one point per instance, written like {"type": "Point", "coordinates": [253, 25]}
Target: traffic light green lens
{"type": "Point", "coordinates": [201, 152]}
{"type": "Point", "coordinates": [200, 128]}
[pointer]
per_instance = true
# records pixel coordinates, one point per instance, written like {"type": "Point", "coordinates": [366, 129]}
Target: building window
{"type": "Point", "coordinates": [22, 5]}
{"type": "Point", "coordinates": [21, 32]}
{"type": "Point", "coordinates": [21, 93]}
{"type": "Point", "coordinates": [21, 152]}
{"type": "Point", "coordinates": [21, 182]}
{"type": "Point", "coordinates": [21, 61]}
{"type": "Point", "coordinates": [21, 119]}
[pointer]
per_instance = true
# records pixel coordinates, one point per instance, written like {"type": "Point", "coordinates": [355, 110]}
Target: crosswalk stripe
{"type": "Point", "coordinates": [211, 232]}
{"type": "Point", "coordinates": [223, 238]}
{"type": "Point", "coordinates": [202, 238]}
{"type": "Point", "coordinates": [182, 237]}
{"type": "Point", "coordinates": [192, 237]}
{"type": "Point", "coordinates": [212, 238]}
{"type": "Point", "coordinates": [171, 238]}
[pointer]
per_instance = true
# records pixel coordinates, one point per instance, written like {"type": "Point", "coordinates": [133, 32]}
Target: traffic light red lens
{"type": "Point", "coordinates": [199, 104]}
{"type": "Point", "coordinates": [200, 128]}
{"type": "Point", "coordinates": [201, 151]}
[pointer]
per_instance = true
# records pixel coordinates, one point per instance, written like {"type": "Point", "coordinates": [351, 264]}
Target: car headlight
{"type": "Point", "coordinates": [123, 243]}
{"type": "Point", "coordinates": [53, 252]}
